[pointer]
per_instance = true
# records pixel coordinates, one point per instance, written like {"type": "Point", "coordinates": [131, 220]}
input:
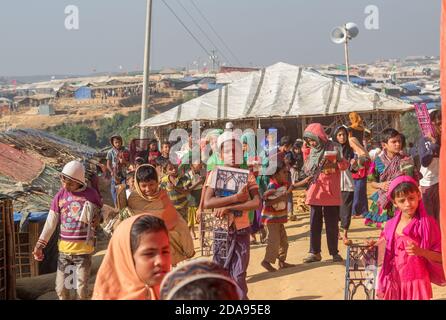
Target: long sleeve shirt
{"type": "Point", "coordinates": [430, 162]}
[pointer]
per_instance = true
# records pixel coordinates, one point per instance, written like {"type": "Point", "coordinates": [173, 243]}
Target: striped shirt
{"type": "Point", "coordinates": [277, 213]}
{"type": "Point", "coordinates": [178, 199]}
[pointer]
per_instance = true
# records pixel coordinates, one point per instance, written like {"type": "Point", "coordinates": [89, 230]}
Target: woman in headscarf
{"type": "Point", "coordinates": [148, 198]}
{"type": "Point", "coordinates": [324, 164]}
{"type": "Point", "coordinates": [137, 259]}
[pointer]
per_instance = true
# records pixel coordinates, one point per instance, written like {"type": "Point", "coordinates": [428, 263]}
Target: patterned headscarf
{"type": "Point", "coordinates": [189, 272]}
{"type": "Point", "coordinates": [315, 131]}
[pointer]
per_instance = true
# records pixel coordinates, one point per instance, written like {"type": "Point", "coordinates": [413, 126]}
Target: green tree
{"type": "Point", "coordinates": [78, 133]}
{"type": "Point", "coordinates": [411, 129]}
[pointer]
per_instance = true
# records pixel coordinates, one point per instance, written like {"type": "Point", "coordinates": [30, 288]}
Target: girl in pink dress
{"type": "Point", "coordinates": [412, 259]}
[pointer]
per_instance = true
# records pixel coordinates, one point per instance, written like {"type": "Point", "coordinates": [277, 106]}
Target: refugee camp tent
{"type": "Point", "coordinates": [279, 91]}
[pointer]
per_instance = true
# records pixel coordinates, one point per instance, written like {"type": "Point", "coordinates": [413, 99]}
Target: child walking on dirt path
{"type": "Point", "coordinates": [76, 208]}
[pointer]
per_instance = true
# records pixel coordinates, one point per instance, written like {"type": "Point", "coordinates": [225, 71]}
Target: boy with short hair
{"type": "Point", "coordinates": [194, 186]}
{"type": "Point", "coordinates": [76, 208]}
{"type": "Point", "coordinates": [247, 199]}
{"type": "Point", "coordinates": [274, 216]}
{"type": "Point", "coordinates": [164, 158]}
{"type": "Point", "coordinates": [113, 164]}
{"type": "Point", "coordinates": [176, 187]}
{"type": "Point", "coordinates": [390, 164]}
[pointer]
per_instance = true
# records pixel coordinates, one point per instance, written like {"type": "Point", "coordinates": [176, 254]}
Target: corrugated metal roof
{"type": "Point", "coordinates": [29, 172]}
{"type": "Point", "coordinates": [18, 165]}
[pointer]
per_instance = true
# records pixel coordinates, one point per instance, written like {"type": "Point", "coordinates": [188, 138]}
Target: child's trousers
{"type": "Point", "coordinates": [73, 272]}
{"type": "Point", "coordinates": [277, 246]}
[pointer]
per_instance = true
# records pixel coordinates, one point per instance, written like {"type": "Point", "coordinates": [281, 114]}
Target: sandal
{"type": "Point", "coordinates": [313, 258]}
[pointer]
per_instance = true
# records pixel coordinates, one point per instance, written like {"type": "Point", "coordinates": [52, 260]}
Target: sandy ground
{"type": "Point", "coordinates": [318, 281]}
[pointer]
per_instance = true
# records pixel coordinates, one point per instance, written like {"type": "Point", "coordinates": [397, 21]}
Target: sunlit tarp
{"type": "Point", "coordinates": [281, 90]}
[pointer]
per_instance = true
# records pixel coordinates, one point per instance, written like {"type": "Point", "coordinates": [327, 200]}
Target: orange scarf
{"type": "Point", "coordinates": [158, 205]}
{"type": "Point", "coordinates": [356, 121]}
{"type": "Point", "coordinates": [117, 278]}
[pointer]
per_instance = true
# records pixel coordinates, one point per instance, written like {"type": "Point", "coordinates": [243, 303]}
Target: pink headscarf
{"type": "Point", "coordinates": [423, 228]}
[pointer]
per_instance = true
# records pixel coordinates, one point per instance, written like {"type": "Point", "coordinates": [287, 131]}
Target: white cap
{"type": "Point", "coordinates": [75, 170]}
{"type": "Point", "coordinates": [227, 136]}
{"type": "Point", "coordinates": [229, 126]}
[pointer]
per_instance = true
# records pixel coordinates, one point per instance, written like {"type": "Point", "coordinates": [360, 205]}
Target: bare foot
{"type": "Point", "coordinates": [284, 265]}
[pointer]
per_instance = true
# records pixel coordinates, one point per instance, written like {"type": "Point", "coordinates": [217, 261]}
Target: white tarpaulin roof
{"type": "Point", "coordinates": [281, 90]}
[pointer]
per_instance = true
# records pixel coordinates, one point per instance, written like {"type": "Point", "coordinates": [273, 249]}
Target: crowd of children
{"type": "Point", "coordinates": [165, 197]}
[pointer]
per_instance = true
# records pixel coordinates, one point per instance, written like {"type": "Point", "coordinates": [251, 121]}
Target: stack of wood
{"type": "Point", "coordinates": [299, 202]}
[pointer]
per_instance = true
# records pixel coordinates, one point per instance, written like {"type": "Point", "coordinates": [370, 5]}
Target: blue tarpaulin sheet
{"type": "Point", "coordinates": [32, 217]}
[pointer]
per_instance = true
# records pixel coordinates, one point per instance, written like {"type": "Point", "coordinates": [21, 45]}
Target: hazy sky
{"type": "Point", "coordinates": [34, 39]}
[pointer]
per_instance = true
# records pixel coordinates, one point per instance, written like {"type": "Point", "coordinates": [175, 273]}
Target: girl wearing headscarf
{"type": "Point", "coordinates": [324, 193]}
{"type": "Point", "coordinates": [137, 259]}
{"type": "Point", "coordinates": [148, 198]}
{"type": "Point", "coordinates": [347, 182]}
{"type": "Point", "coordinates": [412, 259]}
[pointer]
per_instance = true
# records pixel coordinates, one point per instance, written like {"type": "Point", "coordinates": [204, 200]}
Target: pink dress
{"type": "Point", "coordinates": [410, 278]}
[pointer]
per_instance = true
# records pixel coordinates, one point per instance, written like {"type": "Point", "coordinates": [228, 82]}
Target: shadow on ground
{"type": "Point", "coordinates": [297, 269]}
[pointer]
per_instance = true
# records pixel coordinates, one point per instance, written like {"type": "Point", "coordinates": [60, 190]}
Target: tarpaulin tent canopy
{"type": "Point", "coordinates": [279, 91]}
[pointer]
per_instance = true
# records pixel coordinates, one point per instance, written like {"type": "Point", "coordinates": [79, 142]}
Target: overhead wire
{"type": "Point", "coordinates": [202, 30]}
{"type": "Point", "coordinates": [215, 32]}
{"type": "Point", "coordinates": [187, 29]}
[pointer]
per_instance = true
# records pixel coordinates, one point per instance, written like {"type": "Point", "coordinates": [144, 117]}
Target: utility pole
{"type": "Point", "coordinates": [214, 58]}
{"type": "Point", "coordinates": [146, 83]}
{"type": "Point", "coordinates": [347, 58]}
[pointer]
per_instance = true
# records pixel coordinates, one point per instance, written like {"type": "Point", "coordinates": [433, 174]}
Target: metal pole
{"type": "Point", "coordinates": [347, 63]}
{"type": "Point", "coordinates": [146, 84]}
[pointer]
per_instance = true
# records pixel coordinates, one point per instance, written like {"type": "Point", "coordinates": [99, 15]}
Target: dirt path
{"type": "Point", "coordinates": [319, 281]}
{"type": "Point", "coordinates": [323, 280]}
